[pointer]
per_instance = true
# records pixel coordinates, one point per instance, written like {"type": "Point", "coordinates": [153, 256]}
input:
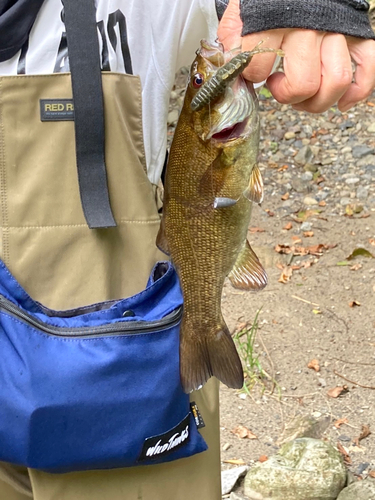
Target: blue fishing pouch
{"type": "Point", "coordinates": [96, 387]}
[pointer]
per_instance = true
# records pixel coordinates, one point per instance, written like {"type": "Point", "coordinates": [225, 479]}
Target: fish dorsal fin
{"type": "Point", "coordinates": [248, 272]}
{"type": "Point", "coordinates": [254, 191]}
{"type": "Point", "coordinates": [161, 240]}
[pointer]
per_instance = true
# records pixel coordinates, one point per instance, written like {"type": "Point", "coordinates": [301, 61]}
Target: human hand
{"type": "Point", "coordinates": [317, 65]}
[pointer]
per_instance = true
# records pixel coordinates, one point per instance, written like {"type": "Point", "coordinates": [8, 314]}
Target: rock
{"type": "Point", "coordinates": [352, 180]}
{"type": "Point", "coordinates": [289, 135]}
{"type": "Point", "coordinates": [368, 160]}
{"type": "Point", "coordinates": [346, 149]}
{"type": "Point", "coordinates": [303, 426]}
{"type": "Point", "coordinates": [173, 116]}
{"type": "Point", "coordinates": [371, 128]}
{"type": "Point", "coordinates": [300, 186]}
{"type": "Point", "coordinates": [230, 477]}
{"type": "Point", "coordinates": [362, 193]}
{"type": "Point", "coordinates": [305, 226]}
{"type": "Point", "coordinates": [322, 195]}
{"type": "Point", "coordinates": [304, 155]}
{"type": "Point", "coordinates": [307, 176]}
{"type": "Point", "coordinates": [361, 151]}
{"type": "Point", "coordinates": [236, 496]}
{"type": "Point", "coordinates": [309, 167]}
{"type": "Point", "coordinates": [310, 201]}
{"type": "Point", "coordinates": [304, 469]}
{"type": "Point", "coordinates": [345, 201]}
{"type": "Point", "coordinates": [360, 490]}
{"type": "Point", "coordinates": [307, 129]}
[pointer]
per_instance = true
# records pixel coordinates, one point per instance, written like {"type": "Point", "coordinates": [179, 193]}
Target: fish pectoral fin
{"type": "Point", "coordinates": [161, 239]}
{"type": "Point", "coordinates": [248, 272]}
{"type": "Point", "coordinates": [254, 191]}
{"type": "Point", "coordinates": [206, 353]}
{"type": "Point", "coordinates": [222, 202]}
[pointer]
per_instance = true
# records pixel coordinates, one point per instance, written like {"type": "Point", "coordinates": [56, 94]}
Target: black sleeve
{"type": "Point", "coordinates": [16, 20]}
{"type": "Point", "coordinates": [349, 17]}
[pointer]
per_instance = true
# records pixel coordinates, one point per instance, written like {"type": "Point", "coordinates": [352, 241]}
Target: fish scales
{"type": "Point", "coordinates": [204, 242]}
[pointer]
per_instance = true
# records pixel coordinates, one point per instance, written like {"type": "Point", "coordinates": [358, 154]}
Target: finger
{"type": "Point", "coordinates": [230, 26]}
{"type": "Point", "coordinates": [261, 65]}
{"type": "Point", "coordinates": [363, 54]}
{"type": "Point", "coordinates": [302, 68]}
{"type": "Point", "coordinates": [337, 75]}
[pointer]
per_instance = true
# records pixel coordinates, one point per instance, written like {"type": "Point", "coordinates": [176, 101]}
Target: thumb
{"type": "Point", "coordinates": [230, 26]}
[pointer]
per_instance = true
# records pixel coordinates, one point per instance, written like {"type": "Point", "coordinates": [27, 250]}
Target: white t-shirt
{"type": "Point", "coordinates": [162, 35]}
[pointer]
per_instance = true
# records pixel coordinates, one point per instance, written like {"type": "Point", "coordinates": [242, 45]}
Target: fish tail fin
{"type": "Point", "coordinates": [208, 354]}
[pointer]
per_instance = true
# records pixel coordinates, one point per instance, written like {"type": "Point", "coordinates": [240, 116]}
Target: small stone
{"type": "Point", "coordinates": [306, 226]}
{"type": "Point", "coordinates": [300, 186]}
{"type": "Point", "coordinates": [230, 477]}
{"type": "Point", "coordinates": [347, 124]}
{"type": "Point", "coordinates": [307, 176]}
{"type": "Point", "coordinates": [362, 193]}
{"type": "Point", "coordinates": [346, 149]}
{"type": "Point", "coordinates": [345, 438]}
{"type": "Point", "coordinates": [237, 496]}
{"type": "Point", "coordinates": [352, 180]}
{"type": "Point", "coordinates": [361, 151]}
{"type": "Point", "coordinates": [289, 135]}
{"type": "Point", "coordinates": [304, 155]}
{"type": "Point", "coordinates": [173, 116]}
{"type": "Point", "coordinates": [371, 128]}
{"type": "Point", "coordinates": [310, 201]}
{"type": "Point", "coordinates": [322, 195]}
{"type": "Point", "coordinates": [368, 160]}
{"type": "Point", "coordinates": [307, 129]}
{"type": "Point", "coordinates": [309, 167]}
{"type": "Point", "coordinates": [345, 201]}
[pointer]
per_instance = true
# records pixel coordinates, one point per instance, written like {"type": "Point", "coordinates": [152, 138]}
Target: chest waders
{"type": "Point", "coordinates": [47, 244]}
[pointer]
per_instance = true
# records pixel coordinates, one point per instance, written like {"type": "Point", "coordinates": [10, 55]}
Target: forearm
{"type": "Point", "coordinates": [349, 17]}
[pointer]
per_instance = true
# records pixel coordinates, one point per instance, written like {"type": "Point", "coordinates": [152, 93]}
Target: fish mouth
{"type": "Point", "coordinates": [234, 111]}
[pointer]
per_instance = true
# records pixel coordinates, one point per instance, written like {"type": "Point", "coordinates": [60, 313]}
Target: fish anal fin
{"type": "Point", "coordinates": [213, 354]}
{"type": "Point", "coordinates": [248, 272]}
{"type": "Point", "coordinates": [161, 239]}
{"type": "Point", "coordinates": [254, 191]}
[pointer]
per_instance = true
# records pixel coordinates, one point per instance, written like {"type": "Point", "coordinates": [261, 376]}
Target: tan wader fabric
{"type": "Point", "coordinates": [45, 242]}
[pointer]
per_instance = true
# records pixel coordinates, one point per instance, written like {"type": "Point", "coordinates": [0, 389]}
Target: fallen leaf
{"type": "Point", "coordinates": [360, 252]}
{"type": "Point", "coordinates": [263, 458]}
{"type": "Point", "coordinates": [356, 267]}
{"type": "Point", "coordinates": [288, 226]}
{"type": "Point", "coordinates": [257, 230]}
{"type": "Point", "coordinates": [354, 303]}
{"type": "Point", "coordinates": [370, 104]}
{"type": "Point", "coordinates": [372, 241]}
{"type": "Point", "coordinates": [308, 234]}
{"type": "Point", "coordinates": [243, 432]}
{"type": "Point", "coordinates": [286, 275]}
{"type": "Point", "coordinates": [314, 365]}
{"type": "Point", "coordinates": [317, 311]}
{"type": "Point", "coordinates": [335, 392]}
{"type": "Point", "coordinates": [283, 168]}
{"type": "Point", "coordinates": [364, 434]}
{"type": "Point", "coordinates": [285, 196]}
{"type": "Point", "coordinates": [296, 239]}
{"type": "Point", "coordinates": [322, 203]}
{"type": "Point", "coordinates": [268, 211]}
{"type": "Point", "coordinates": [372, 473]}
{"type": "Point", "coordinates": [344, 453]}
{"type": "Point", "coordinates": [234, 462]}
{"type": "Point", "coordinates": [340, 422]}
{"type": "Point", "coordinates": [303, 215]}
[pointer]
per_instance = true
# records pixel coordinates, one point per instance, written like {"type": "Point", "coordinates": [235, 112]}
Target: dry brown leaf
{"type": "Point", "coordinates": [370, 104]}
{"type": "Point", "coordinates": [356, 267]}
{"type": "Point", "coordinates": [372, 241]}
{"type": "Point", "coordinates": [296, 239]}
{"type": "Point", "coordinates": [322, 203]}
{"type": "Point", "coordinates": [340, 422]}
{"type": "Point", "coordinates": [372, 473]}
{"type": "Point", "coordinates": [263, 458]}
{"type": "Point", "coordinates": [243, 432]}
{"type": "Point", "coordinates": [235, 461]}
{"type": "Point", "coordinates": [269, 212]}
{"type": "Point", "coordinates": [285, 196]}
{"type": "Point", "coordinates": [335, 392]}
{"type": "Point", "coordinates": [283, 168]}
{"type": "Point", "coordinates": [285, 275]}
{"type": "Point", "coordinates": [256, 230]}
{"type": "Point", "coordinates": [288, 226]}
{"type": "Point", "coordinates": [308, 234]}
{"type": "Point", "coordinates": [344, 453]}
{"type": "Point", "coordinates": [364, 434]}
{"type": "Point", "coordinates": [354, 303]}
{"type": "Point", "coordinates": [314, 365]}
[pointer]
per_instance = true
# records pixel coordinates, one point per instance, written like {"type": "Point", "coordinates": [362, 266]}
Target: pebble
{"type": "Point", "coordinates": [306, 226]}
{"type": "Point", "coordinates": [361, 151]}
{"type": "Point", "coordinates": [310, 201]}
{"type": "Point", "coordinates": [289, 135]}
{"type": "Point", "coordinates": [307, 176]}
{"type": "Point", "coordinates": [352, 180]}
{"type": "Point", "coordinates": [362, 193]}
{"type": "Point", "coordinates": [371, 128]}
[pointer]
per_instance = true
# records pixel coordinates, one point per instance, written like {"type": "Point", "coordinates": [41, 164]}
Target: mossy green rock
{"type": "Point", "coordinates": [303, 469]}
{"type": "Point", "coordinates": [360, 490]}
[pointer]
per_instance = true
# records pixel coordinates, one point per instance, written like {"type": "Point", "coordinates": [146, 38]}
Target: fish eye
{"type": "Point", "coordinates": [198, 80]}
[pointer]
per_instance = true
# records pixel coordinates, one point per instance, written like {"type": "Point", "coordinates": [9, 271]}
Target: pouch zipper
{"type": "Point", "coordinates": [119, 328]}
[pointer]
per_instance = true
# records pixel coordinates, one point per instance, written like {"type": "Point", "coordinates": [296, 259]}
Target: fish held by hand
{"type": "Point", "coordinates": [211, 179]}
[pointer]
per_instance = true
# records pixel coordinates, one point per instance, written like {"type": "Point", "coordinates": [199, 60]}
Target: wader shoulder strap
{"type": "Point", "coordinates": [84, 60]}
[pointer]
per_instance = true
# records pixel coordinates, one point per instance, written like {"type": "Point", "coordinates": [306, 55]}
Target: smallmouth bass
{"type": "Point", "coordinates": [211, 179]}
